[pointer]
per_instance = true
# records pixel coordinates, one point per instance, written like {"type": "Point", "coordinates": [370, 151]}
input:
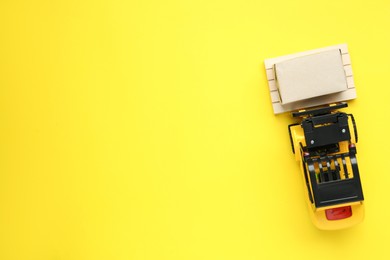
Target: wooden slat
{"type": "Point", "coordinates": [275, 96]}
{"type": "Point", "coordinates": [348, 70]}
{"type": "Point", "coordinates": [350, 82]}
{"type": "Point", "coordinates": [346, 59]}
{"type": "Point", "coordinates": [272, 85]}
{"type": "Point", "coordinates": [270, 74]}
{"type": "Point", "coordinates": [337, 97]}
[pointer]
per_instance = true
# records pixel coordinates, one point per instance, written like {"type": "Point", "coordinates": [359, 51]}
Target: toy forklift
{"type": "Point", "coordinates": [312, 86]}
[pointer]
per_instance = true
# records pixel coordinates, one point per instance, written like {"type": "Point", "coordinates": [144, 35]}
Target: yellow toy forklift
{"type": "Point", "coordinates": [314, 86]}
{"type": "Point", "coordinates": [323, 144]}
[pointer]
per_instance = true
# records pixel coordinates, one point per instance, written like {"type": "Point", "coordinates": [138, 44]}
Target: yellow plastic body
{"type": "Point", "coordinates": [317, 215]}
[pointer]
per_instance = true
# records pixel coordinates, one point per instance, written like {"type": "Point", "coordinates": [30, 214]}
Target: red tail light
{"type": "Point", "coordinates": [338, 213]}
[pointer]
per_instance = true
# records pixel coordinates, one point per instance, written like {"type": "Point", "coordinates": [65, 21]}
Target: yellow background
{"type": "Point", "coordinates": [144, 129]}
